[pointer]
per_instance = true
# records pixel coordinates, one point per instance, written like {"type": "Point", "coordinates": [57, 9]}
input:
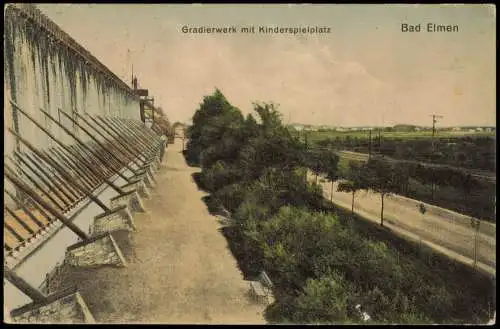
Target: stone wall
{"type": "Point", "coordinates": [67, 309]}
{"type": "Point", "coordinates": [100, 250]}
{"type": "Point", "coordinates": [120, 218]}
{"type": "Point", "coordinates": [138, 185]}
{"type": "Point", "coordinates": [130, 199]}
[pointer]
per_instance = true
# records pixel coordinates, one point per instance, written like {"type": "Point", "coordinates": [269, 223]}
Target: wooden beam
{"type": "Point", "coordinates": [23, 286]}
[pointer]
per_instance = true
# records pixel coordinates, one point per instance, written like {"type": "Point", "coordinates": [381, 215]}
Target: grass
{"type": "Point", "coordinates": [478, 203]}
{"type": "Point", "coordinates": [343, 166]}
{"type": "Point", "coordinates": [314, 136]}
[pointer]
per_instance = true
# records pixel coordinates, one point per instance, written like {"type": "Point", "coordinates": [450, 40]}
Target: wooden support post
{"type": "Point", "coordinates": [105, 162]}
{"type": "Point", "coordinates": [117, 142]}
{"type": "Point", "coordinates": [23, 286]}
{"type": "Point", "coordinates": [26, 189]}
{"type": "Point", "coordinates": [66, 148]}
{"type": "Point", "coordinates": [123, 161]}
{"type": "Point", "coordinates": [61, 170]}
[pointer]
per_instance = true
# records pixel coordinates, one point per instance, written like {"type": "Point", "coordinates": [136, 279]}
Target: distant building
{"type": "Point", "coordinates": [456, 129]}
{"type": "Point", "coordinates": [310, 128]}
{"type": "Point", "coordinates": [297, 127]}
{"type": "Point", "coordinates": [479, 129]}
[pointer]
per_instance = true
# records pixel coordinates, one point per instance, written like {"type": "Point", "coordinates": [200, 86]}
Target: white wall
{"type": "Point", "coordinates": [42, 72]}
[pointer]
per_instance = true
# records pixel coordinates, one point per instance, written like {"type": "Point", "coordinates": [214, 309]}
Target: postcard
{"type": "Point", "coordinates": [249, 163]}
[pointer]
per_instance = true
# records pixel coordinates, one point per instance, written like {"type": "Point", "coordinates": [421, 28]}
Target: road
{"type": "Point", "coordinates": [445, 231]}
{"type": "Point", "coordinates": [180, 269]}
{"type": "Point", "coordinates": [479, 174]}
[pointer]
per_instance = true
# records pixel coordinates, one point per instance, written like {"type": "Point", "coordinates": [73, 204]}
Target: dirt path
{"type": "Point", "coordinates": [181, 270]}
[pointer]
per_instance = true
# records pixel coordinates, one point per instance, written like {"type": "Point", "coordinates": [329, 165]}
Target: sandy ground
{"type": "Point", "coordinates": [180, 269]}
{"type": "Point", "coordinates": [402, 215]}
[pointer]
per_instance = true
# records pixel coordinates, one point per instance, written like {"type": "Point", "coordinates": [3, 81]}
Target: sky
{"type": "Point", "coordinates": [366, 71]}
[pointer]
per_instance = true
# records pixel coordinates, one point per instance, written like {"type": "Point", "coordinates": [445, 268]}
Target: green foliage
{"type": "Point", "coordinates": [231, 196]}
{"type": "Point", "coordinates": [214, 118]}
{"type": "Point", "coordinates": [288, 240]}
{"type": "Point", "coordinates": [381, 176]}
{"type": "Point", "coordinates": [355, 179]}
{"type": "Point", "coordinates": [219, 175]}
{"type": "Point", "coordinates": [329, 299]}
{"type": "Point", "coordinates": [477, 195]}
{"type": "Point", "coordinates": [474, 152]}
{"type": "Point", "coordinates": [330, 165]}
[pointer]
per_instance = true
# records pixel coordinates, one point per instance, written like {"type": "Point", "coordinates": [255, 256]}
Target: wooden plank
{"type": "Point", "coordinates": [45, 221]}
{"type": "Point", "coordinates": [10, 239]}
{"type": "Point", "coordinates": [17, 227]}
{"type": "Point", "coordinates": [27, 220]}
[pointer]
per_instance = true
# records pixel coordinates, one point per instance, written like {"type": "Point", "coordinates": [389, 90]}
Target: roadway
{"type": "Point", "coordinates": [445, 231]}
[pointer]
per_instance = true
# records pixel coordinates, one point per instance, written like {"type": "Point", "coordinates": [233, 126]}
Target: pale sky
{"type": "Point", "coordinates": [365, 72]}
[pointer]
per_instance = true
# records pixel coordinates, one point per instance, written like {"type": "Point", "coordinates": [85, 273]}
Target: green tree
{"type": "Point", "coordinates": [214, 116]}
{"type": "Point", "coordinates": [381, 178]}
{"type": "Point", "coordinates": [330, 167]}
{"type": "Point", "coordinates": [314, 161]}
{"type": "Point", "coordinates": [356, 180]}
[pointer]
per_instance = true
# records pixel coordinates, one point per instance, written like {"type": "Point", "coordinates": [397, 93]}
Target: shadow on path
{"type": "Point", "coordinates": [248, 261]}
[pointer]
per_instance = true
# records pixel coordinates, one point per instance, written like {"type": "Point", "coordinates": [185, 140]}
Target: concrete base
{"type": "Point", "coordinates": [152, 181]}
{"type": "Point", "coordinates": [157, 160]}
{"type": "Point", "coordinates": [139, 186]}
{"type": "Point", "coordinates": [151, 164]}
{"type": "Point", "coordinates": [119, 219]}
{"type": "Point", "coordinates": [144, 175]}
{"type": "Point", "coordinates": [98, 250]}
{"type": "Point", "coordinates": [131, 199]}
{"type": "Point", "coordinates": [154, 159]}
{"type": "Point", "coordinates": [150, 169]}
{"type": "Point", "coordinates": [66, 306]}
